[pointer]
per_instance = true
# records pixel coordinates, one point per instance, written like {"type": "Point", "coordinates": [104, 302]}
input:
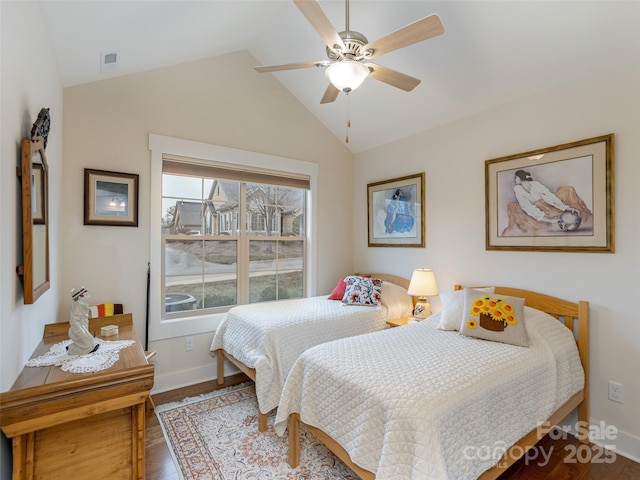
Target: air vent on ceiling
{"type": "Point", "coordinates": [109, 62]}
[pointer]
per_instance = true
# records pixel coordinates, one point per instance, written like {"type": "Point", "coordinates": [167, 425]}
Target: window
{"type": "Point", "coordinates": [229, 232]}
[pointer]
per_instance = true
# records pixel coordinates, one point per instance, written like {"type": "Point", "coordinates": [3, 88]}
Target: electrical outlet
{"type": "Point", "coordinates": [188, 344]}
{"type": "Point", "coordinates": [616, 392]}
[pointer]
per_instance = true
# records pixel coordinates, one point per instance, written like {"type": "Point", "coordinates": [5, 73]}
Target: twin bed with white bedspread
{"type": "Point", "coordinates": [420, 403]}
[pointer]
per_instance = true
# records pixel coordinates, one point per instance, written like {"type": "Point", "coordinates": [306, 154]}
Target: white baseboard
{"type": "Point", "coordinates": [186, 378]}
{"type": "Point", "coordinates": [608, 436]}
{"type": "Point", "coordinates": [624, 444]}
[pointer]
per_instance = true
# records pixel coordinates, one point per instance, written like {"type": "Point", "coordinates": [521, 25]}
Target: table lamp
{"type": "Point", "coordinates": [422, 285]}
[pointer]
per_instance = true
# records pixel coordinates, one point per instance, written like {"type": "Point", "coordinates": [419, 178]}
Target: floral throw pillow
{"type": "Point", "coordinates": [362, 291]}
{"type": "Point", "coordinates": [338, 292]}
{"type": "Point", "coordinates": [499, 318]}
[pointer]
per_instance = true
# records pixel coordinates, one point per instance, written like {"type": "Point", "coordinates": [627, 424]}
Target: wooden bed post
{"type": "Point", "coordinates": [583, 351]}
{"type": "Point", "coordinates": [294, 440]}
{"type": "Point", "coordinates": [262, 421]}
{"type": "Point", "coordinates": [220, 367]}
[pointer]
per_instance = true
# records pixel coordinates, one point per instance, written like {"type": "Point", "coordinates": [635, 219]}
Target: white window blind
{"type": "Point", "coordinates": [176, 165]}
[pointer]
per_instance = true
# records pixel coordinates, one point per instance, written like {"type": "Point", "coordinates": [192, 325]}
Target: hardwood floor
{"type": "Point", "coordinates": [562, 456]}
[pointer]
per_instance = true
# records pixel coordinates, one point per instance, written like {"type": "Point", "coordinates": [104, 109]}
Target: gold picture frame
{"type": "Point", "coordinates": [553, 199]}
{"type": "Point", "coordinates": [395, 212]}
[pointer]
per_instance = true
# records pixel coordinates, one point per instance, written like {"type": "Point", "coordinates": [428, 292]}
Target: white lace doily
{"type": "Point", "coordinates": [104, 357]}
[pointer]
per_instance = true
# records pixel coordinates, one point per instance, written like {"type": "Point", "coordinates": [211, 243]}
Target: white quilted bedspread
{"type": "Point", "coordinates": [270, 337]}
{"type": "Point", "coordinates": [420, 403]}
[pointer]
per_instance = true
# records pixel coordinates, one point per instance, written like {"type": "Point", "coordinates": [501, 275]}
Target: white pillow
{"type": "Point", "coordinates": [452, 304]}
{"type": "Point", "coordinates": [397, 300]}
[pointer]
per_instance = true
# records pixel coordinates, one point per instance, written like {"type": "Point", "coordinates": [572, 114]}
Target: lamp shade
{"type": "Point", "coordinates": [423, 283]}
{"type": "Point", "coordinates": [347, 75]}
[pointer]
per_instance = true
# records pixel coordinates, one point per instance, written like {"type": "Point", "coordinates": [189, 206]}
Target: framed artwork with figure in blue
{"type": "Point", "coordinates": [396, 212]}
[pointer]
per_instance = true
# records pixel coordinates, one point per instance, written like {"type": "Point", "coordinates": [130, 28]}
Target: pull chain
{"type": "Point", "coordinates": [348, 118]}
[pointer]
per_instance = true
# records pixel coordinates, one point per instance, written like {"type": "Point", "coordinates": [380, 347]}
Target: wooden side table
{"type": "Point", "coordinates": [80, 425]}
{"type": "Point", "coordinates": [400, 322]}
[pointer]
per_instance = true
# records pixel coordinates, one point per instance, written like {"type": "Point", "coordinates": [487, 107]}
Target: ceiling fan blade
{"type": "Point", "coordinates": [290, 66]}
{"type": "Point", "coordinates": [423, 29]}
{"type": "Point", "coordinates": [391, 77]}
{"type": "Point", "coordinates": [319, 21]}
{"type": "Point", "coordinates": [330, 94]}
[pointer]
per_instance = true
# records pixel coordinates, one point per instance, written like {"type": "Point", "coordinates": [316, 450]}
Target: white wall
{"type": "Point", "coordinates": [452, 158]}
{"type": "Point", "coordinates": [29, 81]}
{"type": "Point", "coordinates": [220, 101]}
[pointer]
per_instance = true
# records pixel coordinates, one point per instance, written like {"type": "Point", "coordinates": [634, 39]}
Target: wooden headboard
{"type": "Point", "coordinates": [575, 317]}
{"type": "Point", "coordinates": [387, 277]}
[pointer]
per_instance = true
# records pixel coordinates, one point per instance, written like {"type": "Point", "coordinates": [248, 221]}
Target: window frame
{"type": "Point", "coordinates": [159, 145]}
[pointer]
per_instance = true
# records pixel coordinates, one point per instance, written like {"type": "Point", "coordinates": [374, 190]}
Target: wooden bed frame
{"type": "Point", "coordinates": [575, 317]}
{"type": "Point", "coordinates": [251, 372]}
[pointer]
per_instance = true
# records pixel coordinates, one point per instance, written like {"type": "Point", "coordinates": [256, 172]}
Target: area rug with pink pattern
{"type": "Point", "coordinates": [215, 437]}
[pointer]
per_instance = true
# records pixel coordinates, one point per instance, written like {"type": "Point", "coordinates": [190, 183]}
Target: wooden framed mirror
{"type": "Point", "coordinates": [35, 219]}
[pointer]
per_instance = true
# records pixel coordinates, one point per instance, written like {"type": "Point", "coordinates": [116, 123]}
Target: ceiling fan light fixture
{"type": "Point", "coordinates": [347, 75]}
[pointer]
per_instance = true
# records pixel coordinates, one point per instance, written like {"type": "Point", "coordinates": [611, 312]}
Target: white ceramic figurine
{"type": "Point", "coordinates": [83, 341]}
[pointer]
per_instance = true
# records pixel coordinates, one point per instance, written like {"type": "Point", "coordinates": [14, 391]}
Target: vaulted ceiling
{"type": "Point", "coordinates": [492, 52]}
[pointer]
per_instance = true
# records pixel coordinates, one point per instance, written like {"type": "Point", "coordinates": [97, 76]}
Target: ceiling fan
{"type": "Point", "coordinates": [349, 51]}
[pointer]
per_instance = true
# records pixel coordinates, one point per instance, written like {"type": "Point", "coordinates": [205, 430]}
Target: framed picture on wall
{"type": "Point", "coordinates": [110, 198]}
{"type": "Point", "coordinates": [396, 212]}
{"type": "Point", "coordinates": [553, 199]}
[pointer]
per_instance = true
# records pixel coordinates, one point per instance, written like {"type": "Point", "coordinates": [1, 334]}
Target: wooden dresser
{"type": "Point", "coordinates": [81, 426]}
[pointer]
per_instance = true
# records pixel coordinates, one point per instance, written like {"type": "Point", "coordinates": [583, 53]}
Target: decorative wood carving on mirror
{"type": "Point", "coordinates": [34, 175]}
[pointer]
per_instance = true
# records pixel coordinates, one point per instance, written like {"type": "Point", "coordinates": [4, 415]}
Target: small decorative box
{"type": "Point", "coordinates": [109, 330]}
